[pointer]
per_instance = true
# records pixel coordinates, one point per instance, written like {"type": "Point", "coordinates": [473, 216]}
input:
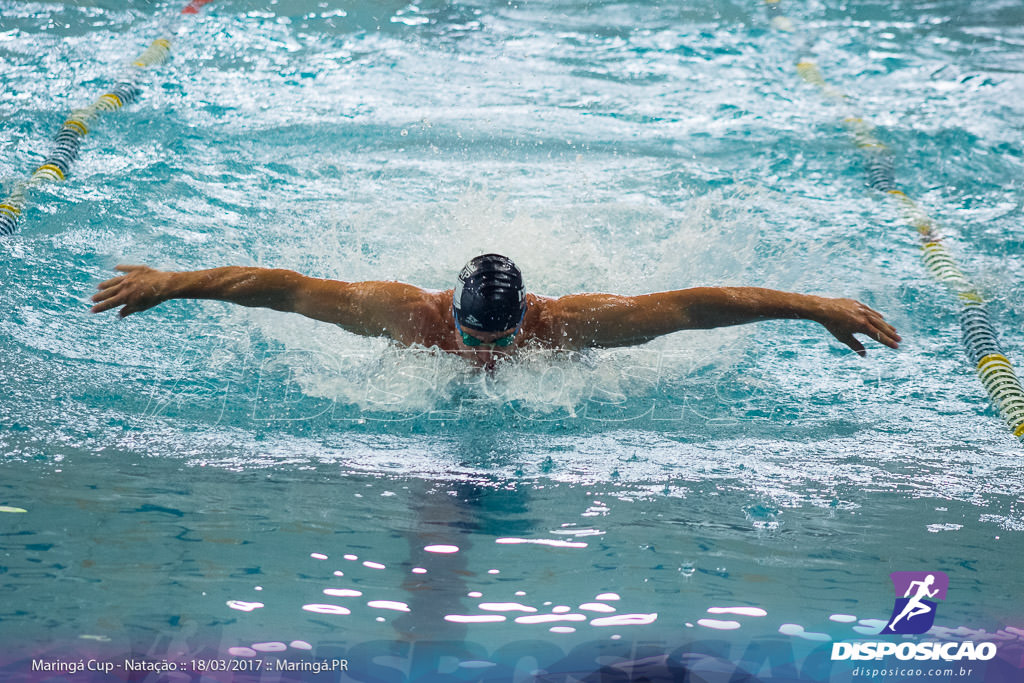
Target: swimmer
{"type": "Point", "coordinates": [489, 313]}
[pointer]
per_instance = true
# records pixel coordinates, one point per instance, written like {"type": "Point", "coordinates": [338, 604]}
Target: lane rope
{"type": "Point", "coordinates": [67, 144]}
{"type": "Point", "coordinates": [978, 335]}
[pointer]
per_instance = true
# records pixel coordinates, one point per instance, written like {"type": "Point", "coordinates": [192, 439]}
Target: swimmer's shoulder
{"type": "Point", "coordinates": [541, 324]}
{"type": "Point", "coordinates": [435, 326]}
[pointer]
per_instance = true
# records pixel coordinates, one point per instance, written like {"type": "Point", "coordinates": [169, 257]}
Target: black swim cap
{"type": "Point", "coordinates": [490, 296]}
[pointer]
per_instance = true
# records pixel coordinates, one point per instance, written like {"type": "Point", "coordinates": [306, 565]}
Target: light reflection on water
{"type": "Point", "coordinates": [470, 558]}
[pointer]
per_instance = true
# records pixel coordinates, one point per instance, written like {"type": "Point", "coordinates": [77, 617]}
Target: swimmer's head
{"type": "Point", "coordinates": [489, 295]}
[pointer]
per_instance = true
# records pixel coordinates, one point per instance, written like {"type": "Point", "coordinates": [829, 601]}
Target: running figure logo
{"type": "Point", "coordinates": [914, 613]}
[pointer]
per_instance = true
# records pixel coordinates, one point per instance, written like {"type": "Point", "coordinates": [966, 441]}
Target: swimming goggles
{"type": "Point", "coordinates": [470, 340]}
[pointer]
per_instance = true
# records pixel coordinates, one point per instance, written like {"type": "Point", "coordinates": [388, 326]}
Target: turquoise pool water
{"type": "Point", "coordinates": [208, 481]}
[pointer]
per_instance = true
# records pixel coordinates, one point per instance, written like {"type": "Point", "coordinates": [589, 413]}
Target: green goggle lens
{"type": "Point", "coordinates": [470, 340]}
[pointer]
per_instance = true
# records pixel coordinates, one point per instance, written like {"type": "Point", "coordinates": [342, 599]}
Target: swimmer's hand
{"type": "Point", "coordinates": [140, 288]}
{"type": "Point", "coordinates": [845, 317]}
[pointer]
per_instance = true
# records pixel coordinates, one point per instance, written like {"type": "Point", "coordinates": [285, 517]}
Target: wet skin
{"type": "Point", "coordinates": [413, 315]}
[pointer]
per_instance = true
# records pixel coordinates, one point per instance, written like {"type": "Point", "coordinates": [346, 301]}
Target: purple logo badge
{"type": "Point", "coordinates": [916, 593]}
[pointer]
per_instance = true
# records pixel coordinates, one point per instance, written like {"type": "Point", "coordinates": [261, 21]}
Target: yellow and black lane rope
{"type": "Point", "coordinates": [68, 141]}
{"type": "Point", "coordinates": [980, 342]}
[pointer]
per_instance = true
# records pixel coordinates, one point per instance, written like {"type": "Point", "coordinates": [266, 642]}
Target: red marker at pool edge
{"type": "Point", "coordinates": [193, 7]}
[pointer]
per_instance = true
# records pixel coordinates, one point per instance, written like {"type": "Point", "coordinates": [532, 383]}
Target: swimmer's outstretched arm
{"type": "Point", "coordinates": [606, 320]}
{"type": "Point", "coordinates": [373, 308]}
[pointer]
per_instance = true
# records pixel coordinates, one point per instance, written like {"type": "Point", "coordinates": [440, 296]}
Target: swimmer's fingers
{"type": "Point", "coordinates": [107, 292]}
{"type": "Point", "coordinates": [127, 270]}
{"type": "Point", "coordinates": [881, 331]}
{"type": "Point", "coordinates": [880, 322]}
{"type": "Point", "coordinates": [111, 282]}
{"type": "Point", "coordinates": [137, 290]}
{"type": "Point", "coordinates": [853, 343]}
{"type": "Point", "coordinates": [126, 310]}
{"type": "Point", "coordinates": [112, 294]}
{"type": "Point", "coordinates": [138, 306]}
{"type": "Point", "coordinates": [112, 301]}
{"type": "Point", "coordinates": [846, 317]}
{"type": "Point", "coordinates": [105, 306]}
{"type": "Point", "coordinates": [890, 339]}
{"type": "Point", "coordinates": [117, 280]}
{"type": "Point", "coordinates": [879, 336]}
